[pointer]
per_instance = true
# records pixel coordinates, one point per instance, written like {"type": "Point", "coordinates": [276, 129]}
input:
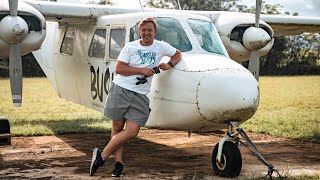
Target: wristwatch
{"type": "Point", "coordinates": [171, 64]}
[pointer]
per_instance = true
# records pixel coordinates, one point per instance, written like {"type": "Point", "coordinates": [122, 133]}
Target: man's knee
{"type": "Point", "coordinates": [132, 129]}
{"type": "Point", "coordinates": [131, 133]}
{"type": "Point", "coordinates": [117, 126]}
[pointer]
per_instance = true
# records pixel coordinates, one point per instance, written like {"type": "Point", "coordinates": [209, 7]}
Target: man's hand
{"type": "Point", "coordinates": [147, 71]}
{"type": "Point", "coordinates": [164, 66]}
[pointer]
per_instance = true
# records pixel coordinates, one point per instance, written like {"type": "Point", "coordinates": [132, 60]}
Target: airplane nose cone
{"type": "Point", "coordinates": [227, 95]}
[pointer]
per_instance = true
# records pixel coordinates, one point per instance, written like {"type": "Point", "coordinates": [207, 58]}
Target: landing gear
{"type": "Point", "coordinates": [231, 161]}
{"type": "Point", "coordinates": [226, 156]}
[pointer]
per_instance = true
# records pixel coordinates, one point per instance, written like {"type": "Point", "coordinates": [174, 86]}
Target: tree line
{"type": "Point", "coordinates": [291, 55]}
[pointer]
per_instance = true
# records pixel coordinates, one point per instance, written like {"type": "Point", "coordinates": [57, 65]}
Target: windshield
{"type": "Point", "coordinates": [168, 30]}
{"type": "Point", "coordinates": [207, 36]}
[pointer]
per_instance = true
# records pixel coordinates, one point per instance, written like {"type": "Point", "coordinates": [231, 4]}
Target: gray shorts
{"type": "Point", "coordinates": [123, 104]}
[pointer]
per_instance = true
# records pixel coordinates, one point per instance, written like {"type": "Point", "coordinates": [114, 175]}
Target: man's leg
{"type": "Point", "coordinates": [121, 138]}
{"type": "Point", "coordinates": [117, 126]}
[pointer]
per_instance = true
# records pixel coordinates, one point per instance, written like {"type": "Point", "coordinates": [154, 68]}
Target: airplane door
{"type": "Point", "coordinates": [99, 66]}
{"type": "Point", "coordinates": [116, 41]}
{"type": "Point", "coordinates": [105, 47]}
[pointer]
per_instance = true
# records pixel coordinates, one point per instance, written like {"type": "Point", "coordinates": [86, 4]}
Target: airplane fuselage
{"type": "Point", "coordinates": [205, 90]}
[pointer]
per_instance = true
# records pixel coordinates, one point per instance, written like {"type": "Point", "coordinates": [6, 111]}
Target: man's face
{"type": "Point", "coordinates": [147, 33]}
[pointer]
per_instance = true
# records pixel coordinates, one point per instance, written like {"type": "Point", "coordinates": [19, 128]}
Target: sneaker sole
{"type": "Point", "coordinates": [94, 156]}
{"type": "Point", "coordinates": [117, 176]}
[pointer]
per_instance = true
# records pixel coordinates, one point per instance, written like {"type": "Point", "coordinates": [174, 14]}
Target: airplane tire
{"type": "Point", "coordinates": [231, 161]}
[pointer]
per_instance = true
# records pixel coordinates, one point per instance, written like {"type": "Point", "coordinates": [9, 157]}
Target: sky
{"type": "Point", "coordinates": [303, 7]}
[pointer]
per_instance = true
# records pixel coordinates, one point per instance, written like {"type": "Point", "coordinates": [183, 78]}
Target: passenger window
{"type": "Point", "coordinates": [98, 44]}
{"type": "Point", "coordinates": [68, 41]}
{"type": "Point", "coordinates": [117, 41]}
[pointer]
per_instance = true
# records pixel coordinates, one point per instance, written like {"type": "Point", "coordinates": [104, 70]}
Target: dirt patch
{"type": "Point", "coordinates": [154, 154]}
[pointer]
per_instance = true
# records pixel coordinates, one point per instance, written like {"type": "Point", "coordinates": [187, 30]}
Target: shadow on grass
{"type": "Point", "coordinates": [59, 127]}
{"type": "Point", "coordinates": [314, 138]}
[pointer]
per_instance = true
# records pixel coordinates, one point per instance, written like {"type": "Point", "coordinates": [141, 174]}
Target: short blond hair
{"type": "Point", "coordinates": [147, 20]}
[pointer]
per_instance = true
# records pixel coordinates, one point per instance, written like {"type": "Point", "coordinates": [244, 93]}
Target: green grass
{"type": "Point", "coordinates": [289, 107]}
{"type": "Point", "coordinates": [44, 113]}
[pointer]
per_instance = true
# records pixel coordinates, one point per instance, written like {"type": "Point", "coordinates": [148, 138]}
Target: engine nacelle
{"type": "Point", "coordinates": [36, 30]}
{"type": "Point", "coordinates": [240, 38]}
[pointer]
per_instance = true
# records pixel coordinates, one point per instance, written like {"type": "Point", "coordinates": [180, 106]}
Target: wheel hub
{"type": "Point", "coordinates": [222, 164]}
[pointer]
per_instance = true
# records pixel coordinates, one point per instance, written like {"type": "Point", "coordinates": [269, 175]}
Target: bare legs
{"type": "Point", "coordinates": [119, 137]}
{"type": "Point", "coordinates": [117, 126]}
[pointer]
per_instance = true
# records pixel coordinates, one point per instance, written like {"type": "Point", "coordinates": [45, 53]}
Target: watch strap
{"type": "Point", "coordinates": [171, 64]}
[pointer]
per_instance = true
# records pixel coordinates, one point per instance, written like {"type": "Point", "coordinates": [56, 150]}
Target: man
{"type": "Point", "coordinates": [127, 104]}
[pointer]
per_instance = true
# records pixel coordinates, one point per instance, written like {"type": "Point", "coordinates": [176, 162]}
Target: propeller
{"type": "Point", "coordinates": [14, 31]}
{"type": "Point", "coordinates": [254, 61]}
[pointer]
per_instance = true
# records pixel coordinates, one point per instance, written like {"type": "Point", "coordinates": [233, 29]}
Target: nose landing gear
{"type": "Point", "coordinates": [226, 156]}
{"type": "Point", "coordinates": [230, 162]}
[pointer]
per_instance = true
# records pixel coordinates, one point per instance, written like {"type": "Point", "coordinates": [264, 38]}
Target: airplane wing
{"type": "Point", "coordinates": [73, 13]}
{"type": "Point", "coordinates": [292, 25]}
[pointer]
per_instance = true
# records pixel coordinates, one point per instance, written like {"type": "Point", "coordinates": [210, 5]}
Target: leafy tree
{"type": "Point", "coordinates": [302, 53]}
{"type": "Point", "coordinates": [265, 8]}
{"type": "Point", "coordinates": [203, 5]}
{"type": "Point", "coordinates": [30, 67]}
{"type": "Point", "coordinates": [273, 61]}
{"type": "Point", "coordinates": [291, 55]}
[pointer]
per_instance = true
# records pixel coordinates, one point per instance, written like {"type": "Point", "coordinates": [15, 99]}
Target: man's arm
{"type": "Point", "coordinates": [174, 60]}
{"type": "Point", "coordinates": [125, 70]}
{"type": "Point", "coordinates": [176, 57]}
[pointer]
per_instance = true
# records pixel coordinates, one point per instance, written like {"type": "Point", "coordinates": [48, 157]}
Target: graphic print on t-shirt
{"type": "Point", "coordinates": [144, 56]}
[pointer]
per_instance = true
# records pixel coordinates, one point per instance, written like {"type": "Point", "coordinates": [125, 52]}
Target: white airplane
{"type": "Point", "coordinates": [77, 46]}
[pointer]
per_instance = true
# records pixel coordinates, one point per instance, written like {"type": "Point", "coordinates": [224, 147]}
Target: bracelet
{"type": "Point", "coordinates": [171, 64]}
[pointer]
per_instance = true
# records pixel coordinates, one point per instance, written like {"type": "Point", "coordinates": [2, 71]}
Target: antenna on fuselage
{"type": "Point", "coordinates": [141, 6]}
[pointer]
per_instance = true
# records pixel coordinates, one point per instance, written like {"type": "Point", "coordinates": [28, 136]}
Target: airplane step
{"type": "Point", "coordinates": [5, 136]}
{"type": "Point", "coordinates": [5, 139]}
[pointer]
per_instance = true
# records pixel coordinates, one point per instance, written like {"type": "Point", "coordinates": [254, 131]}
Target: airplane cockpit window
{"type": "Point", "coordinates": [68, 41]}
{"type": "Point", "coordinates": [206, 35]}
{"type": "Point", "coordinates": [98, 44]}
{"type": "Point", "coordinates": [168, 30]}
{"type": "Point", "coordinates": [117, 41]}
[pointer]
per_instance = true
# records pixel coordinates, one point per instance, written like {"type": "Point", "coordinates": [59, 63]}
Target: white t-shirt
{"type": "Point", "coordinates": [140, 56]}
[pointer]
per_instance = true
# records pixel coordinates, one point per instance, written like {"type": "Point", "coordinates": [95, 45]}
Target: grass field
{"type": "Point", "coordinates": [44, 113]}
{"type": "Point", "coordinates": [289, 107]}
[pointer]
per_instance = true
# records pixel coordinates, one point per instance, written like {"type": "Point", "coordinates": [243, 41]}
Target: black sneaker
{"type": "Point", "coordinates": [96, 161]}
{"type": "Point", "coordinates": [118, 168]}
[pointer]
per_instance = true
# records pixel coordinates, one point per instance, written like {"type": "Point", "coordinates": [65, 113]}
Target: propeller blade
{"type": "Point", "coordinates": [254, 64]}
{"type": "Point", "coordinates": [13, 5]}
{"type": "Point", "coordinates": [258, 12]}
{"type": "Point", "coordinates": [15, 72]}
